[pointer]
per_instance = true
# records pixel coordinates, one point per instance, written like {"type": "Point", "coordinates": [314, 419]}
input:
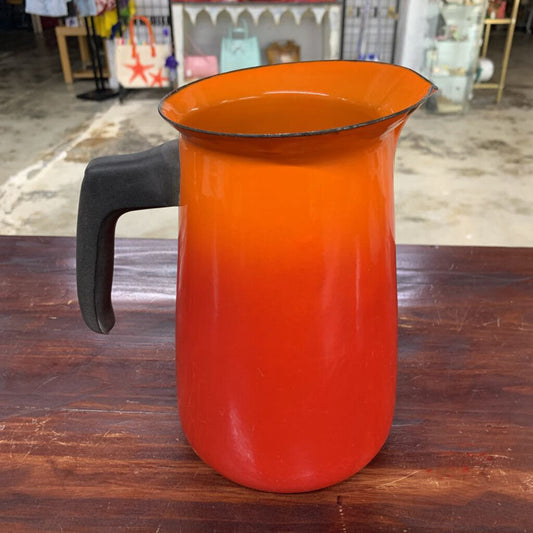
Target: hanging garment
{"type": "Point", "coordinates": [47, 8]}
{"type": "Point", "coordinates": [104, 5]}
{"type": "Point", "coordinates": [104, 23]}
{"type": "Point", "coordinates": [85, 8]}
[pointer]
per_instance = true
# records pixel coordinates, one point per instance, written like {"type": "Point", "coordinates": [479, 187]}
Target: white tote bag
{"type": "Point", "coordinates": [139, 66]}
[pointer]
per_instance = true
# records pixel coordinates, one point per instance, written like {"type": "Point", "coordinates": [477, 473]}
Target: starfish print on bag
{"type": "Point", "coordinates": [138, 70]}
{"type": "Point", "coordinates": [141, 64]}
{"type": "Point", "coordinates": [158, 78]}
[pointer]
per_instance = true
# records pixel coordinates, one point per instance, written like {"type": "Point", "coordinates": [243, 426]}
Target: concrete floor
{"type": "Point", "coordinates": [460, 179]}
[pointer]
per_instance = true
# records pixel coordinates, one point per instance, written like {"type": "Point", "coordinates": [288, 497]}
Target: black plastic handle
{"type": "Point", "coordinates": [112, 186]}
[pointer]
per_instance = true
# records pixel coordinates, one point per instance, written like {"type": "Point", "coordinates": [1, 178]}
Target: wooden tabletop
{"type": "Point", "coordinates": [90, 438]}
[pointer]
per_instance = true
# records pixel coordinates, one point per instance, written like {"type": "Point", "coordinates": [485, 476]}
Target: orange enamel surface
{"type": "Point", "coordinates": [374, 90]}
{"type": "Point", "coordinates": [280, 113]}
{"type": "Point", "coordinates": [286, 303]}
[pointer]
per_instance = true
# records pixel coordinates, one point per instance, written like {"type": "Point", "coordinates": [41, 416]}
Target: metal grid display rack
{"type": "Point", "coordinates": [370, 29]}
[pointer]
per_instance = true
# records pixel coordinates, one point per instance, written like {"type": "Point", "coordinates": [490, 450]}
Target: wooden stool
{"type": "Point", "coordinates": [62, 32]}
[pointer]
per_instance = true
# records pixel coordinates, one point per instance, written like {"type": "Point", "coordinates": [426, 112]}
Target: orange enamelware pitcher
{"type": "Point", "coordinates": [286, 314]}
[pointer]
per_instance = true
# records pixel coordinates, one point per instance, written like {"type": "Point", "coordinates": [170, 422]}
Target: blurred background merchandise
{"type": "Point", "coordinates": [463, 168]}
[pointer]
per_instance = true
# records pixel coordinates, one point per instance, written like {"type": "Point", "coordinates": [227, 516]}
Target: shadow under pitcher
{"type": "Point", "coordinates": [286, 311]}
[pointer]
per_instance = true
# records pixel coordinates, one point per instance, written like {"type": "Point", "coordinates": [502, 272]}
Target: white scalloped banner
{"type": "Point", "coordinates": [213, 10]}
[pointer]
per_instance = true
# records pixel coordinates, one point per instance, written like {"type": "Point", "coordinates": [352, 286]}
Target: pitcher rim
{"type": "Point", "coordinates": [431, 90]}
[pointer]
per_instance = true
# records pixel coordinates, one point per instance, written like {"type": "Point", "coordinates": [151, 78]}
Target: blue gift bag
{"type": "Point", "coordinates": [239, 50]}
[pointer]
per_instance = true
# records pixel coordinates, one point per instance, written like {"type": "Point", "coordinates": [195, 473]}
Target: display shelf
{"type": "Point", "coordinates": [511, 23]}
{"type": "Point", "coordinates": [452, 53]}
{"type": "Point", "coordinates": [448, 76]}
{"type": "Point", "coordinates": [199, 27]}
{"type": "Point", "coordinates": [492, 22]}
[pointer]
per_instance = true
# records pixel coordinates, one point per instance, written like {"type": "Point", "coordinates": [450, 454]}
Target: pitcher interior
{"type": "Point", "coordinates": [297, 98]}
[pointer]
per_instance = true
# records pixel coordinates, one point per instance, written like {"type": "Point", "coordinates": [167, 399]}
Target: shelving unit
{"type": "Point", "coordinates": [451, 52]}
{"type": "Point", "coordinates": [510, 23]}
{"type": "Point", "coordinates": [199, 27]}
